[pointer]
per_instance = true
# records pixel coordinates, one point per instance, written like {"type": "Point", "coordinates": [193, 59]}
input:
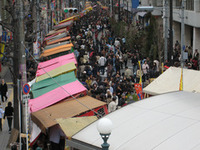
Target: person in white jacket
{"type": "Point", "coordinates": [112, 106]}
{"type": "Point", "coordinates": [102, 63]}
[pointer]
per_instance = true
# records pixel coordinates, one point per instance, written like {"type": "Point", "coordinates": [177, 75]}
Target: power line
{"type": "Point", "coordinates": [60, 85]}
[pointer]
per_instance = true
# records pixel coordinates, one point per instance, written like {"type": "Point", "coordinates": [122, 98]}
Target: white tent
{"type": "Point", "coordinates": [166, 122]}
{"type": "Point", "coordinates": [169, 81]}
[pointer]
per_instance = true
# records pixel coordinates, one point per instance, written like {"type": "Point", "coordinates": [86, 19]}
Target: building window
{"type": "Point", "coordinates": [189, 5]}
{"type": "Point", "coordinates": [178, 3]}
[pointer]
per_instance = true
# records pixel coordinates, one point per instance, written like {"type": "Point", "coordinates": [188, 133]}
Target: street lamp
{"type": "Point", "coordinates": [104, 127]}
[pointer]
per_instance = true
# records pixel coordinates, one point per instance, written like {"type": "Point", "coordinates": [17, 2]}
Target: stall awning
{"type": "Point", "coordinates": [55, 60]}
{"type": "Point", "coordinates": [46, 118]}
{"type": "Point", "coordinates": [56, 95]}
{"type": "Point", "coordinates": [59, 40]}
{"type": "Point", "coordinates": [58, 51]}
{"type": "Point", "coordinates": [57, 71]}
{"type": "Point", "coordinates": [54, 66]}
{"type": "Point", "coordinates": [58, 47]}
{"type": "Point", "coordinates": [63, 25]}
{"type": "Point", "coordinates": [54, 83]}
{"type": "Point", "coordinates": [48, 82]}
{"type": "Point", "coordinates": [71, 126]}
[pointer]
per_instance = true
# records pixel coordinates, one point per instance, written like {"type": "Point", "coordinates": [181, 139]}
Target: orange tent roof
{"type": "Point", "coordinates": [55, 52]}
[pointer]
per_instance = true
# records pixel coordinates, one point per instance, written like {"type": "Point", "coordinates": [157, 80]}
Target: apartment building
{"type": "Point", "coordinates": [191, 20]}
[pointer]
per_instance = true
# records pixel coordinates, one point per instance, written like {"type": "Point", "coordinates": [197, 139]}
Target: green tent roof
{"type": "Point", "coordinates": [44, 86]}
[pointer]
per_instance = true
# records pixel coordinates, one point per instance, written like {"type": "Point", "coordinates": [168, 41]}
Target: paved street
{"type": "Point", "coordinates": [4, 135]}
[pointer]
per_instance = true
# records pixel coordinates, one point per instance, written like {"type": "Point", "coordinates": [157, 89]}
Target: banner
{"type": "Point", "coordinates": [138, 89]}
{"type": "Point", "coordinates": [2, 48]}
{"type": "Point", "coordinates": [140, 82]}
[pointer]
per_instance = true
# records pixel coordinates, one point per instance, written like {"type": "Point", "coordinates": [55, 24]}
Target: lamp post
{"type": "Point", "coordinates": [104, 127]}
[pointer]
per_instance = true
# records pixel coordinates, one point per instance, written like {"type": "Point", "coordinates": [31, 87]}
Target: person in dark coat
{"type": "Point", "coordinates": [3, 90]}
{"type": "Point", "coordinates": [9, 114]}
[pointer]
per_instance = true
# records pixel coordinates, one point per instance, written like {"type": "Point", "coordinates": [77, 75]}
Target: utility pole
{"type": "Point", "coordinates": [48, 14]}
{"type": "Point", "coordinates": [166, 31]}
{"type": "Point", "coordinates": [119, 11]}
{"type": "Point", "coordinates": [127, 12]}
{"type": "Point", "coordinates": [19, 61]}
{"type": "Point", "coordinates": [171, 33]}
{"type": "Point", "coordinates": [60, 7]}
{"type": "Point", "coordinates": [182, 33]}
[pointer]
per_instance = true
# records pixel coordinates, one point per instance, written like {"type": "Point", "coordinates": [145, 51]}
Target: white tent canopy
{"type": "Point", "coordinates": [166, 122]}
{"type": "Point", "coordinates": [169, 81]}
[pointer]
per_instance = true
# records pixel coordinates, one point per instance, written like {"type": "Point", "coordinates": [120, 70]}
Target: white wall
{"type": "Point", "coordinates": [177, 32]}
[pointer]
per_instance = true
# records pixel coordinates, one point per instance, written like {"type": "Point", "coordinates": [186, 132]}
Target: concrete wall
{"type": "Point", "coordinates": [196, 39]}
{"type": "Point", "coordinates": [177, 32]}
{"type": "Point", "coordinates": [188, 35]}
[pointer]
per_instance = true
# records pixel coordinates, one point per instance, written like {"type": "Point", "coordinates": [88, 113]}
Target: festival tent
{"type": "Point", "coordinates": [55, 31]}
{"type": "Point", "coordinates": [49, 84]}
{"type": "Point", "coordinates": [165, 122]}
{"type": "Point", "coordinates": [57, 44]}
{"type": "Point", "coordinates": [71, 126]}
{"type": "Point", "coordinates": [59, 40]}
{"type": "Point", "coordinates": [55, 60]}
{"type": "Point", "coordinates": [57, 51]}
{"type": "Point", "coordinates": [63, 25]}
{"type": "Point", "coordinates": [51, 81]}
{"type": "Point", "coordinates": [54, 66]}
{"type": "Point", "coordinates": [69, 19]}
{"type": "Point", "coordinates": [169, 81]}
{"type": "Point", "coordinates": [56, 95]}
{"type": "Point", "coordinates": [57, 71]}
{"type": "Point", "coordinates": [68, 108]}
{"type": "Point", "coordinates": [57, 36]}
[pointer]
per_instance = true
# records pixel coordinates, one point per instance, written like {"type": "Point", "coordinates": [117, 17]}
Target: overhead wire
{"type": "Point", "coordinates": [60, 85]}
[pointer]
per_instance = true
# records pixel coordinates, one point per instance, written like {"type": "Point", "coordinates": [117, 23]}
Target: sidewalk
{"type": "Point", "coordinates": [4, 135]}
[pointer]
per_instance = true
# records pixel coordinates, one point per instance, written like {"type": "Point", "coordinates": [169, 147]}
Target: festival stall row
{"type": "Point", "coordinates": [57, 95]}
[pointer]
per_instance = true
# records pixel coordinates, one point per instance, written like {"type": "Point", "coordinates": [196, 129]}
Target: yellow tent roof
{"type": "Point", "coordinates": [70, 18]}
{"type": "Point", "coordinates": [58, 71]}
{"type": "Point", "coordinates": [71, 126]}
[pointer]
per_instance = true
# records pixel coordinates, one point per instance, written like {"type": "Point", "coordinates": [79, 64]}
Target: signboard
{"type": "Point", "coordinates": [26, 89]}
{"type": "Point", "coordinates": [25, 98]}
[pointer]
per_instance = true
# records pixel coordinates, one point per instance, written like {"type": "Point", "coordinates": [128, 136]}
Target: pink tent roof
{"type": "Point", "coordinates": [53, 66]}
{"type": "Point", "coordinates": [56, 95]}
{"type": "Point", "coordinates": [55, 60]}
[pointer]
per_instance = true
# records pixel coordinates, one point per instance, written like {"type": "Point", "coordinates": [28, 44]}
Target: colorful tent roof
{"type": "Point", "coordinates": [49, 82]}
{"type": "Point", "coordinates": [53, 84]}
{"type": "Point", "coordinates": [71, 126]}
{"type": "Point", "coordinates": [58, 40]}
{"type": "Point", "coordinates": [55, 60]}
{"type": "Point", "coordinates": [54, 66]}
{"type": "Point", "coordinates": [57, 71]}
{"type": "Point", "coordinates": [56, 95]}
{"type": "Point", "coordinates": [46, 117]}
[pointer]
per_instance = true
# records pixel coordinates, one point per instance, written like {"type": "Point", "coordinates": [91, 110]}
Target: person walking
{"type": "Point", "coordinates": [3, 90]}
{"type": "Point", "coordinates": [1, 116]}
{"type": "Point", "coordinates": [9, 114]}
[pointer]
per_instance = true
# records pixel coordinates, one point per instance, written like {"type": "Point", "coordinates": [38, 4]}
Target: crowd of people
{"type": "Point", "coordinates": [105, 67]}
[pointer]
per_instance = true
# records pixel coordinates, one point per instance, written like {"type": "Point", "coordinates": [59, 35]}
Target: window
{"type": "Point", "coordinates": [178, 3]}
{"type": "Point", "coordinates": [189, 5]}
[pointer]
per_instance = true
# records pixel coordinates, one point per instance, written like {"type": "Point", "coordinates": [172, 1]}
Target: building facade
{"type": "Point", "coordinates": [191, 20]}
